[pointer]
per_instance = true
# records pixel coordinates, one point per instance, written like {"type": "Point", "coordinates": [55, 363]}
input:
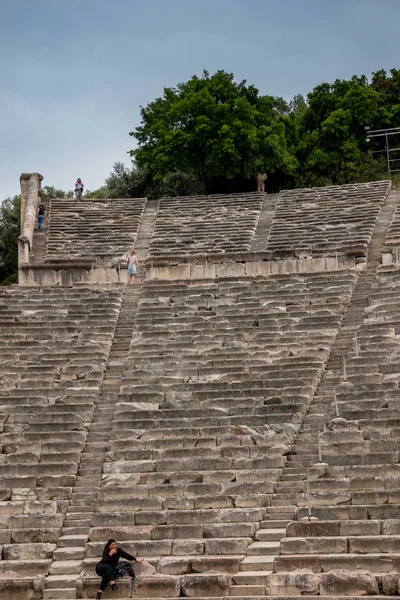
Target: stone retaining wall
{"type": "Point", "coordinates": [45, 275]}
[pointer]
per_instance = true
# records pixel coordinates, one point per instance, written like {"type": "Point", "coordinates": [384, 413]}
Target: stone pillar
{"type": "Point", "coordinates": [30, 186]}
{"type": "Point", "coordinates": [24, 180]}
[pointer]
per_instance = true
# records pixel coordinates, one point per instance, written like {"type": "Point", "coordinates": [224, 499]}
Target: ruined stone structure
{"type": "Point", "coordinates": [232, 418]}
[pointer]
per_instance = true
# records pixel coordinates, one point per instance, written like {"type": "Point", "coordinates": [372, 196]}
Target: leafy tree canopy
{"type": "Point", "coordinates": [212, 127]}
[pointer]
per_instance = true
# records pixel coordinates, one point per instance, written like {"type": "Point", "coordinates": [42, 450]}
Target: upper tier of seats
{"type": "Point", "coordinates": [199, 225]}
{"type": "Point", "coordinates": [393, 235]}
{"type": "Point", "coordinates": [321, 221]}
{"type": "Point", "coordinates": [92, 228]}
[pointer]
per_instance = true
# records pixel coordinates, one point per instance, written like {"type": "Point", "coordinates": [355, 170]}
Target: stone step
{"type": "Point", "coordinates": [60, 582]}
{"type": "Point", "coordinates": [270, 535]}
{"type": "Point", "coordinates": [257, 563]}
{"type": "Point", "coordinates": [251, 578]}
{"type": "Point", "coordinates": [65, 567]}
{"type": "Point", "coordinates": [71, 540]}
{"type": "Point", "coordinates": [77, 522]}
{"type": "Point", "coordinates": [274, 524]}
{"type": "Point", "coordinates": [247, 591]}
{"type": "Point", "coordinates": [59, 594]}
{"type": "Point", "coordinates": [69, 553]}
{"type": "Point", "coordinates": [282, 499]}
{"type": "Point", "coordinates": [80, 508]}
{"type": "Point", "coordinates": [74, 530]}
{"type": "Point", "coordinates": [263, 548]}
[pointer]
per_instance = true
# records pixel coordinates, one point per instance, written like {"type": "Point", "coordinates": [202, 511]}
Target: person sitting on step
{"type": "Point", "coordinates": [108, 568]}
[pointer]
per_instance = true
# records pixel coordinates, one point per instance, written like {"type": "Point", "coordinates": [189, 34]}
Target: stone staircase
{"type": "Point", "coordinates": [68, 557]}
{"type": "Point", "coordinates": [145, 234]}
{"type": "Point", "coordinates": [38, 253]}
{"type": "Point", "coordinates": [259, 243]}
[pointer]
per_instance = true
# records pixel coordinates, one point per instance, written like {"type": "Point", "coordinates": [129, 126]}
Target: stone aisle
{"type": "Point", "coordinates": [259, 242]}
{"type": "Point", "coordinates": [67, 563]}
{"type": "Point", "coordinates": [38, 253]}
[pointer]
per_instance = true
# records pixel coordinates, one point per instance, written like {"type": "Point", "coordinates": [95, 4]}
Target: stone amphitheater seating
{"type": "Point", "coordinates": [218, 377]}
{"type": "Point", "coordinates": [54, 348]}
{"type": "Point", "coordinates": [355, 491]}
{"type": "Point", "coordinates": [200, 225]}
{"type": "Point", "coordinates": [322, 221]}
{"type": "Point", "coordinates": [102, 229]}
{"type": "Point", "coordinates": [181, 416]}
{"type": "Point", "coordinates": [392, 241]}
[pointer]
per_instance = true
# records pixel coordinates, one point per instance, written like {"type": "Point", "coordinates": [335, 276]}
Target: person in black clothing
{"type": "Point", "coordinates": [41, 215]}
{"type": "Point", "coordinates": [106, 568]}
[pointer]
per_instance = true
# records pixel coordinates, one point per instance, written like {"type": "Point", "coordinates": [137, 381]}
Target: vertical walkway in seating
{"type": "Point", "coordinates": [258, 563]}
{"type": "Point", "coordinates": [40, 238]}
{"type": "Point", "coordinates": [145, 233]}
{"type": "Point", "coordinates": [259, 243]}
{"type": "Point", "coordinates": [67, 558]}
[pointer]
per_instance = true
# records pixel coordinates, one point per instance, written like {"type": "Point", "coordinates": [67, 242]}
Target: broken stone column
{"type": "Point", "coordinates": [30, 186]}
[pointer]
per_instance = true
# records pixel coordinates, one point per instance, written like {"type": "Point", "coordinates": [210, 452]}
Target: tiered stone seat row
{"type": "Point", "coordinates": [321, 221]}
{"type": "Point", "coordinates": [196, 225]}
{"type": "Point", "coordinates": [217, 380]}
{"type": "Point", "coordinates": [98, 229]}
{"type": "Point", "coordinates": [392, 242]}
{"type": "Point", "coordinates": [353, 537]}
{"type": "Point", "coordinates": [54, 347]}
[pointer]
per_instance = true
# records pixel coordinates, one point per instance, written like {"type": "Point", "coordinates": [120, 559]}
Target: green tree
{"type": "Point", "coordinates": [9, 232]}
{"type": "Point", "coordinates": [211, 128]}
{"type": "Point", "coordinates": [49, 191]}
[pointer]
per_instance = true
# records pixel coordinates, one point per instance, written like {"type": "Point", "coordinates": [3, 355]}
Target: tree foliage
{"type": "Point", "coordinates": [9, 231]}
{"type": "Point", "coordinates": [212, 127]}
{"type": "Point", "coordinates": [223, 133]}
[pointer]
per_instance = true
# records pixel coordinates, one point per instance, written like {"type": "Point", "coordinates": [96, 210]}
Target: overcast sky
{"type": "Point", "coordinates": [74, 73]}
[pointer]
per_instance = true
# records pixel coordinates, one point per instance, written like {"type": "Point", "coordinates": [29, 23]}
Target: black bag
{"type": "Point", "coordinates": [124, 568]}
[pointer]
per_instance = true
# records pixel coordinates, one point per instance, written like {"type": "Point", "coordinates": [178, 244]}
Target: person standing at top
{"type": "Point", "coordinates": [78, 189]}
{"type": "Point", "coordinates": [41, 215]}
{"type": "Point", "coordinates": [132, 266]}
{"type": "Point", "coordinates": [261, 179]}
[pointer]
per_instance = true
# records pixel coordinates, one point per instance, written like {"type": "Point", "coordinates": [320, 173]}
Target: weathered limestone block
{"type": "Point", "coordinates": [348, 583]}
{"type": "Point", "coordinates": [324, 499]}
{"type": "Point", "coordinates": [390, 583]}
{"type": "Point", "coordinates": [174, 566]}
{"type": "Point", "coordinates": [224, 564]}
{"type": "Point", "coordinates": [312, 528]}
{"type": "Point", "coordinates": [28, 551]}
{"type": "Point", "coordinates": [23, 589]}
{"type": "Point", "coordinates": [35, 535]}
{"type": "Point", "coordinates": [197, 586]}
{"type": "Point", "coordinates": [227, 546]}
{"type": "Point", "coordinates": [361, 528]}
{"type": "Point", "coordinates": [161, 532]}
{"type": "Point", "coordinates": [98, 534]}
{"type": "Point", "coordinates": [157, 586]}
{"type": "Point", "coordinates": [284, 564]}
{"type": "Point", "coordinates": [318, 545]}
{"type": "Point", "coordinates": [187, 547]}
{"type": "Point", "coordinates": [87, 588]}
{"type": "Point", "coordinates": [292, 584]}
